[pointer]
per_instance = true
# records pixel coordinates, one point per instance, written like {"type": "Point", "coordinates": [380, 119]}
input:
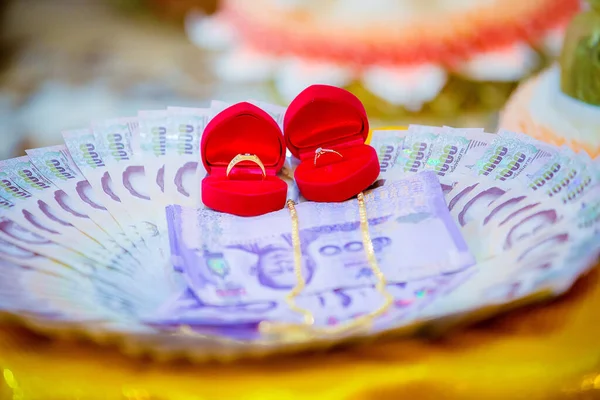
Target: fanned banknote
{"type": "Point", "coordinates": [107, 234]}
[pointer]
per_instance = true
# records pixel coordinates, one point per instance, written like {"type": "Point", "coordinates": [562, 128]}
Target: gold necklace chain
{"type": "Point", "coordinates": [287, 332]}
{"type": "Point", "coordinates": [364, 321]}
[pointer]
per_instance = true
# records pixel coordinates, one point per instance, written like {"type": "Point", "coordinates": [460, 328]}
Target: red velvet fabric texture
{"type": "Point", "coordinates": [330, 118]}
{"type": "Point", "coordinates": [240, 129]}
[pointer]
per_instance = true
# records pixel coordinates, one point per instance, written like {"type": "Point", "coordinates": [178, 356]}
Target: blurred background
{"type": "Point", "coordinates": [66, 62]}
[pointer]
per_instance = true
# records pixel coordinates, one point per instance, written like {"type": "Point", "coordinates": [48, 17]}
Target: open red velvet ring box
{"type": "Point", "coordinates": [332, 122]}
{"type": "Point", "coordinates": [243, 129]}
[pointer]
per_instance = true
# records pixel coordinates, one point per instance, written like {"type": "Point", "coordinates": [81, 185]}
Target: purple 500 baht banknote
{"type": "Point", "coordinates": [228, 259]}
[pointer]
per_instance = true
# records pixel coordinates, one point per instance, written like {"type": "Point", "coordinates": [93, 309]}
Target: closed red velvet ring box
{"type": "Point", "coordinates": [243, 129]}
{"type": "Point", "coordinates": [332, 123]}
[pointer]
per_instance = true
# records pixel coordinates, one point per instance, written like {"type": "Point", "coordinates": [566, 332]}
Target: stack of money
{"type": "Point", "coordinates": [107, 234]}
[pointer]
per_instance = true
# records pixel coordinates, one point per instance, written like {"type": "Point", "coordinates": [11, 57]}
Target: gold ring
{"type": "Point", "coordinates": [246, 157]}
{"type": "Point", "coordinates": [320, 151]}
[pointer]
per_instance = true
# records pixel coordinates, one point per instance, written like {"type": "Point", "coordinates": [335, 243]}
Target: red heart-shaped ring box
{"type": "Point", "coordinates": [243, 129]}
{"type": "Point", "coordinates": [330, 119]}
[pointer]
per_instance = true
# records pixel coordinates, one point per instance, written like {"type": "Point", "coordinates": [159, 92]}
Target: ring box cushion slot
{"type": "Point", "coordinates": [243, 129]}
{"type": "Point", "coordinates": [328, 117]}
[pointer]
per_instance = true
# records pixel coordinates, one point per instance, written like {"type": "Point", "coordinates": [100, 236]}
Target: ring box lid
{"type": "Point", "coordinates": [324, 116]}
{"type": "Point", "coordinates": [243, 129]}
